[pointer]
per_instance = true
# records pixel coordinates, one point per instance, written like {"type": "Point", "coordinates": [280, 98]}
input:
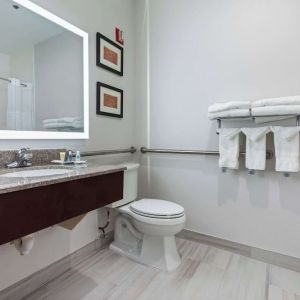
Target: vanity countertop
{"type": "Point", "coordinates": [13, 184]}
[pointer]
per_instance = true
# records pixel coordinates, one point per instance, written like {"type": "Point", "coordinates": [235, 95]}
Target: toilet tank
{"type": "Point", "coordinates": [129, 186]}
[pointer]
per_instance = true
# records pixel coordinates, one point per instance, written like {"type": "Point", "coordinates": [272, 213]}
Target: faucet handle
{"type": "Point", "coordinates": [25, 153]}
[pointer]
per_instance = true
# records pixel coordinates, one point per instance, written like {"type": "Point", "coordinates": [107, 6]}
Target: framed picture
{"type": "Point", "coordinates": [109, 55]}
{"type": "Point", "coordinates": [109, 100]}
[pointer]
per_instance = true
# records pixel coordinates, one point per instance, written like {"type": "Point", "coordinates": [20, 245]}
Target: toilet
{"type": "Point", "coordinates": [145, 229]}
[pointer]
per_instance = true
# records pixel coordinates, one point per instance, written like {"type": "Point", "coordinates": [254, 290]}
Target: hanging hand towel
{"type": "Point", "coordinates": [232, 113]}
{"type": "Point", "coordinates": [286, 141]}
{"type": "Point", "coordinates": [256, 147]}
{"type": "Point", "coordinates": [222, 106]}
{"type": "Point", "coordinates": [229, 148]}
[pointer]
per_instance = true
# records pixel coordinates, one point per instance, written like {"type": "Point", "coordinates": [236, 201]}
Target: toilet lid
{"type": "Point", "coordinates": [155, 208]}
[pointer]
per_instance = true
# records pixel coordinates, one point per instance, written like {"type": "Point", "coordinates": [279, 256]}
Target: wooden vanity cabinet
{"type": "Point", "coordinates": [26, 211]}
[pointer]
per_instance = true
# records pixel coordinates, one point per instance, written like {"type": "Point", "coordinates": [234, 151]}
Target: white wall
{"type": "Point", "coordinates": [201, 52]}
{"type": "Point", "coordinates": [105, 133]}
{"type": "Point", "coordinates": [17, 64]}
{"type": "Point", "coordinates": [58, 78]}
{"type": "Point", "coordinates": [4, 72]}
{"type": "Point", "coordinates": [22, 64]}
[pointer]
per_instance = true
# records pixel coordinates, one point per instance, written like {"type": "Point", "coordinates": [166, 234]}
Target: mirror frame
{"type": "Point", "coordinates": [45, 135]}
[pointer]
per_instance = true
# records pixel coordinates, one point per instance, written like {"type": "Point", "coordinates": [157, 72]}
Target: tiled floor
{"type": "Point", "coordinates": [206, 273]}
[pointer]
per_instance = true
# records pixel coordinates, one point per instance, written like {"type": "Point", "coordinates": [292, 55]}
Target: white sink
{"type": "Point", "coordinates": [36, 173]}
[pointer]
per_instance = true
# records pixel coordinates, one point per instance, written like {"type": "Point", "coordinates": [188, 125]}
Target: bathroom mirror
{"type": "Point", "coordinates": [43, 74]}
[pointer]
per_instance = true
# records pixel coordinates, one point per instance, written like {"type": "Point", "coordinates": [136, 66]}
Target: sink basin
{"type": "Point", "coordinates": [36, 173]}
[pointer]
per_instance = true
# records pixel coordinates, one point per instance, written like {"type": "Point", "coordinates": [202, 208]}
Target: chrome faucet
{"type": "Point", "coordinates": [23, 159]}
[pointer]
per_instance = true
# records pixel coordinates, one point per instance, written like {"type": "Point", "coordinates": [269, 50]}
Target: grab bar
{"type": "Point", "coordinates": [269, 153]}
{"type": "Point", "coordinates": [106, 152]}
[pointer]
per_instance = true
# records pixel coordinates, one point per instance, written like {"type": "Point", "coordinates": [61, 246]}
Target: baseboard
{"type": "Point", "coordinates": [266, 256]}
{"type": "Point", "coordinates": [33, 282]}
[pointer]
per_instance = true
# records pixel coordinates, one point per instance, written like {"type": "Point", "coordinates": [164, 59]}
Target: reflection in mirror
{"type": "Point", "coordinates": [41, 73]}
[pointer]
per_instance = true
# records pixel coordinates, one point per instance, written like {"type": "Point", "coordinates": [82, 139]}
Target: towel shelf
{"type": "Point", "coordinates": [252, 118]}
{"type": "Point", "coordinates": [269, 153]}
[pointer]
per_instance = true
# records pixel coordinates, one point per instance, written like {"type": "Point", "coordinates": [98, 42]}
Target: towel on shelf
{"type": "Point", "coordinates": [229, 148]}
{"type": "Point", "coordinates": [286, 141]}
{"type": "Point", "coordinates": [77, 124]}
{"type": "Point", "coordinates": [232, 113]}
{"type": "Point", "coordinates": [261, 120]}
{"type": "Point", "coordinates": [279, 110]}
{"type": "Point", "coordinates": [256, 147]}
{"type": "Point", "coordinates": [63, 120]}
{"type": "Point", "coordinates": [64, 124]}
{"type": "Point", "coordinates": [290, 100]}
{"type": "Point", "coordinates": [222, 106]}
{"type": "Point", "coordinates": [67, 129]}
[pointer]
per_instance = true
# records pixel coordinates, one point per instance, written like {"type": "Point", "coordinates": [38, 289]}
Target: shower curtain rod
{"type": "Point", "coordinates": [8, 80]}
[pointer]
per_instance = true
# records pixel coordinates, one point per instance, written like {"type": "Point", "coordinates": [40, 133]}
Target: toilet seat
{"type": "Point", "coordinates": [125, 209]}
{"type": "Point", "coordinates": [157, 209]}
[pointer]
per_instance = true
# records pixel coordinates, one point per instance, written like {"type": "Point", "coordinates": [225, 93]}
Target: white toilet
{"type": "Point", "coordinates": [145, 229]}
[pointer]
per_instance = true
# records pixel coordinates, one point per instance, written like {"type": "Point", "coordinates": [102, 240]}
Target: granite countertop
{"type": "Point", "coordinates": [12, 184]}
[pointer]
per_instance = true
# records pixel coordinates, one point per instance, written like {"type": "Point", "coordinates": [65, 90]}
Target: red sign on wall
{"type": "Point", "coordinates": [119, 36]}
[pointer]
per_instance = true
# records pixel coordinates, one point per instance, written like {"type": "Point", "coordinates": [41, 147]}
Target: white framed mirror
{"type": "Point", "coordinates": [44, 84]}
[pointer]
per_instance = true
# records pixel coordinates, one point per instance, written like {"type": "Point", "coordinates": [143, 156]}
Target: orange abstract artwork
{"type": "Point", "coordinates": [110, 101]}
{"type": "Point", "coordinates": [110, 55]}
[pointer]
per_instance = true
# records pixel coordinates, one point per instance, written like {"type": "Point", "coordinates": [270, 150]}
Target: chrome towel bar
{"type": "Point", "coordinates": [107, 152]}
{"type": "Point", "coordinates": [269, 153]}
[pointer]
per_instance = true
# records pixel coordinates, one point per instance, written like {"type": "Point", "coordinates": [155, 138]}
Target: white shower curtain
{"type": "Point", "coordinates": [20, 106]}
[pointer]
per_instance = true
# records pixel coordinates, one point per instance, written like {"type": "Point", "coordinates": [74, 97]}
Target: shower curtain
{"type": "Point", "coordinates": [20, 106]}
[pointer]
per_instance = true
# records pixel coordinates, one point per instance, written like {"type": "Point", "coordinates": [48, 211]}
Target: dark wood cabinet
{"type": "Point", "coordinates": [27, 211]}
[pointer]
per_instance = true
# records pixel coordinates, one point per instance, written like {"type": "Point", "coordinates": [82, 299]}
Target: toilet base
{"type": "Point", "coordinates": [157, 251]}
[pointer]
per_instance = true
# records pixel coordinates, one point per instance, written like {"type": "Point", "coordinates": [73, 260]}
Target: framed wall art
{"type": "Point", "coordinates": [109, 55]}
{"type": "Point", "coordinates": [109, 100]}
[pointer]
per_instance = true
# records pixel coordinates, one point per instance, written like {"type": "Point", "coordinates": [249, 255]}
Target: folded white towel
{"type": "Point", "coordinates": [229, 114]}
{"type": "Point", "coordinates": [53, 125]}
{"type": "Point", "coordinates": [290, 100]}
{"type": "Point", "coordinates": [222, 106]}
{"type": "Point", "coordinates": [286, 141]}
{"type": "Point", "coordinates": [229, 147]}
{"type": "Point", "coordinates": [279, 110]}
{"type": "Point", "coordinates": [63, 120]}
{"type": "Point", "coordinates": [256, 147]}
{"type": "Point", "coordinates": [261, 120]}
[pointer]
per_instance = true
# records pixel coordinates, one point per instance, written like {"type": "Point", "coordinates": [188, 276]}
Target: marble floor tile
{"type": "Point", "coordinates": [278, 293]}
{"type": "Point", "coordinates": [206, 273]}
{"type": "Point", "coordinates": [287, 279]}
